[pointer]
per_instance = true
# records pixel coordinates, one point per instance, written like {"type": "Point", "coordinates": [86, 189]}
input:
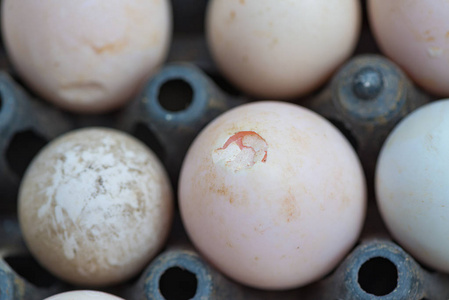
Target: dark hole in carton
{"type": "Point", "coordinates": [28, 268]}
{"type": "Point", "coordinates": [378, 276]}
{"type": "Point", "coordinates": [346, 132]}
{"type": "Point", "coordinates": [143, 133]}
{"type": "Point", "coordinates": [178, 284]}
{"type": "Point", "coordinates": [22, 149]}
{"type": "Point", "coordinates": [175, 95]}
{"type": "Point", "coordinates": [1, 103]}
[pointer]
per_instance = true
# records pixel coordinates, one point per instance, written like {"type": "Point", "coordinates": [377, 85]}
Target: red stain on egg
{"type": "Point", "coordinates": [238, 139]}
{"type": "Point", "coordinates": [242, 150]}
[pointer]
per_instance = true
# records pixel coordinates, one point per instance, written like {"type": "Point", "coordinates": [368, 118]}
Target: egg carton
{"type": "Point", "coordinates": [365, 99]}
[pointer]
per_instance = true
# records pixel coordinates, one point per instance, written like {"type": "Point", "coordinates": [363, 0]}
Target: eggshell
{"type": "Point", "coordinates": [272, 195]}
{"type": "Point", "coordinates": [95, 206]}
{"type": "Point", "coordinates": [83, 295]}
{"type": "Point", "coordinates": [412, 187]}
{"type": "Point", "coordinates": [415, 35]}
{"type": "Point", "coordinates": [86, 55]}
{"type": "Point", "coordinates": [281, 49]}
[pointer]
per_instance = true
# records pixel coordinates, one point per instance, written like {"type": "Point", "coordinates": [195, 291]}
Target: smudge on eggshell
{"type": "Point", "coordinates": [99, 202]}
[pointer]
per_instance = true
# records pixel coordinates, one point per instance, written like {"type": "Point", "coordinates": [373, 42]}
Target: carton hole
{"type": "Point", "coordinates": [175, 95]}
{"type": "Point", "coordinates": [378, 276]}
{"type": "Point", "coordinates": [178, 284]}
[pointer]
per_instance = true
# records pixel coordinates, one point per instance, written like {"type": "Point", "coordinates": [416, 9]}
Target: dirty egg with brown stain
{"type": "Point", "coordinates": [86, 56]}
{"type": "Point", "coordinates": [95, 205]}
{"type": "Point", "coordinates": [276, 182]}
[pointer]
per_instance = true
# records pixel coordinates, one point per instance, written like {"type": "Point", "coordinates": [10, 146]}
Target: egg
{"type": "Point", "coordinates": [281, 49]}
{"type": "Point", "coordinates": [272, 195]}
{"type": "Point", "coordinates": [95, 205]}
{"type": "Point", "coordinates": [415, 35]}
{"type": "Point", "coordinates": [83, 295]}
{"type": "Point", "coordinates": [88, 56]}
{"type": "Point", "coordinates": [411, 184]}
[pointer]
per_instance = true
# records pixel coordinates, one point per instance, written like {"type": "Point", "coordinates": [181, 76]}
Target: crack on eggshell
{"type": "Point", "coordinates": [242, 151]}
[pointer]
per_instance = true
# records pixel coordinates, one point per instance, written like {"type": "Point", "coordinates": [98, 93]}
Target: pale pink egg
{"type": "Point", "coordinates": [87, 56]}
{"type": "Point", "coordinates": [281, 49]}
{"type": "Point", "coordinates": [272, 194]}
{"type": "Point", "coordinates": [415, 35]}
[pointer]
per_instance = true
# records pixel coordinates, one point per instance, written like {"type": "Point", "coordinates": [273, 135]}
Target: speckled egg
{"type": "Point", "coordinates": [272, 194]}
{"type": "Point", "coordinates": [95, 205]}
{"type": "Point", "coordinates": [412, 184]}
{"type": "Point", "coordinates": [281, 49]}
{"type": "Point", "coordinates": [83, 295]}
{"type": "Point", "coordinates": [87, 56]}
{"type": "Point", "coordinates": [415, 35]}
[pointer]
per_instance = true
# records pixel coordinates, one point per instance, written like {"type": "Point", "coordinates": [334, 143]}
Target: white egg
{"type": "Point", "coordinates": [95, 206]}
{"type": "Point", "coordinates": [281, 49]}
{"type": "Point", "coordinates": [272, 195]}
{"type": "Point", "coordinates": [415, 35]}
{"type": "Point", "coordinates": [83, 295]}
{"type": "Point", "coordinates": [86, 55]}
{"type": "Point", "coordinates": [412, 184]}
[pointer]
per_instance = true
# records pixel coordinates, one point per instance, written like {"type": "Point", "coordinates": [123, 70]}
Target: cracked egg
{"type": "Point", "coordinates": [86, 56]}
{"type": "Point", "coordinates": [95, 205]}
{"type": "Point", "coordinates": [272, 194]}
